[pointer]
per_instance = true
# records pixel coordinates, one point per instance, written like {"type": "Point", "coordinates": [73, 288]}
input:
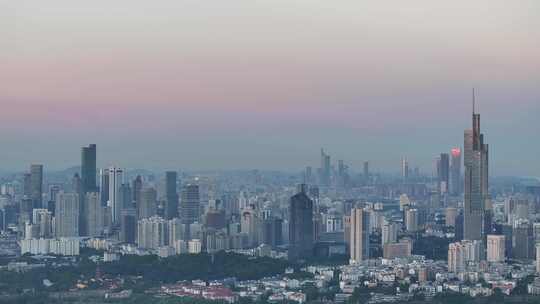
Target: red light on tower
{"type": "Point", "coordinates": [456, 152]}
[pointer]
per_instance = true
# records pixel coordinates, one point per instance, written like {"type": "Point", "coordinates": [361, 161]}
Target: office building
{"type": "Point", "coordinates": [36, 185]}
{"type": "Point", "coordinates": [104, 186]}
{"type": "Point", "coordinates": [325, 171]}
{"type": "Point", "coordinates": [67, 215]}
{"type": "Point", "coordinates": [88, 169]}
{"type": "Point", "coordinates": [116, 176]}
{"type": "Point", "coordinates": [301, 239]}
{"type": "Point", "coordinates": [171, 200]}
{"type": "Point", "coordinates": [190, 204]}
{"type": "Point", "coordinates": [443, 173]}
{"type": "Point", "coordinates": [359, 236]}
{"type": "Point", "coordinates": [147, 203]}
{"type": "Point", "coordinates": [455, 172]}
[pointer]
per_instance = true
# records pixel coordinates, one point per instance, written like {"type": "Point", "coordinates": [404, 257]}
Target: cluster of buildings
{"type": "Point", "coordinates": [374, 221]}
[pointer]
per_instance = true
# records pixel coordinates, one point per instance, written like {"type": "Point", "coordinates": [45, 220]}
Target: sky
{"type": "Point", "coordinates": [198, 84]}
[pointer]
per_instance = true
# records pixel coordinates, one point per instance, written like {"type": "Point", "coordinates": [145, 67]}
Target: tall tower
{"type": "Point", "coordinates": [359, 235]}
{"type": "Point", "coordinates": [301, 238]}
{"type": "Point", "coordinates": [67, 215]}
{"type": "Point", "coordinates": [455, 171]}
{"type": "Point", "coordinates": [404, 169]}
{"type": "Point", "coordinates": [190, 204]}
{"type": "Point", "coordinates": [171, 207]}
{"type": "Point", "coordinates": [476, 216]}
{"type": "Point", "coordinates": [36, 185]}
{"type": "Point", "coordinates": [115, 181]}
{"type": "Point", "coordinates": [325, 169]}
{"type": "Point", "coordinates": [443, 172]}
{"type": "Point", "coordinates": [88, 169]}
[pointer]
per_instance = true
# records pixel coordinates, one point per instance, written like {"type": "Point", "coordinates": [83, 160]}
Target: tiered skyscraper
{"type": "Point", "coordinates": [476, 215]}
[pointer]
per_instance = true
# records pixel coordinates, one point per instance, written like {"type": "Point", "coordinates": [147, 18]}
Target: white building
{"type": "Point", "coordinates": [495, 248]}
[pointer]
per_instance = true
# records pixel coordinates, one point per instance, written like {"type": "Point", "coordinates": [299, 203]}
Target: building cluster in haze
{"type": "Point", "coordinates": [437, 231]}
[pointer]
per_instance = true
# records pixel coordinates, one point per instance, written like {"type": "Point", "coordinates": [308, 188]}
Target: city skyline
{"type": "Point", "coordinates": [256, 88]}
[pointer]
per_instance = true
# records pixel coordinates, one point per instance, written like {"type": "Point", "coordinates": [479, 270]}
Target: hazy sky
{"type": "Point", "coordinates": [264, 84]}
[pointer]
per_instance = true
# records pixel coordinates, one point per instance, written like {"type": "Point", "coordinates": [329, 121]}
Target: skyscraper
{"type": "Point", "coordinates": [366, 172]}
{"type": "Point", "coordinates": [88, 169]}
{"type": "Point", "coordinates": [115, 181]}
{"type": "Point", "coordinates": [404, 169]}
{"type": "Point", "coordinates": [104, 186]}
{"type": "Point", "coordinates": [443, 173]}
{"type": "Point", "coordinates": [36, 185]}
{"type": "Point", "coordinates": [455, 172]}
{"type": "Point", "coordinates": [147, 203]}
{"type": "Point", "coordinates": [301, 238]}
{"type": "Point", "coordinates": [324, 178]}
{"type": "Point", "coordinates": [171, 200]}
{"type": "Point", "coordinates": [190, 204]}
{"type": "Point", "coordinates": [359, 235]}
{"type": "Point", "coordinates": [94, 214]}
{"type": "Point", "coordinates": [67, 215]}
{"type": "Point", "coordinates": [476, 181]}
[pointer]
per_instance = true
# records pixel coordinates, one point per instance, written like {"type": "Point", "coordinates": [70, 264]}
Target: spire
{"type": "Point", "coordinates": [473, 102]}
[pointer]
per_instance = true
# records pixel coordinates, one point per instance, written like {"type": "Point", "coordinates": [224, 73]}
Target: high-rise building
{"type": "Point", "coordinates": [404, 169]}
{"type": "Point", "coordinates": [88, 169]}
{"type": "Point", "coordinates": [324, 178]}
{"type": "Point", "coordinates": [147, 203]}
{"type": "Point", "coordinates": [495, 248]}
{"type": "Point", "coordinates": [411, 220]}
{"type": "Point", "coordinates": [36, 185]}
{"type": "Point", "coordinates": [67, 215]}
{"type": "Point", "coordinates": [443, 173]}
{"type": "Point", "coordinates": [461, 253]}
{"type": "Point", "coordinates": [125, 196]}
{"type": "Point", "coordinates": [27, 184]}
{"type": "Point", "coordinates": [152, 233]}
{"type": "Point", "coordinates": [301, 239]}
{"type": "Point", "coordinates": [128, 226]}
{"type": "Point", "coordinates": [137, 188]}
{"type": "Point", "coordinates": [455, 171]}
{"type": "Point", "coordinates": [171, 200]}
{"type": "Point", "coordinates": [190, 204]}
{"type": "Point", "coordinates": [359, 237]}
{"type": "Point", "coordinates": [389, 232]}
{"type": "Point", "coordinates": [476, 182]}
{"type": "Point", "coordinates": [116, 176]}
{"type": "Point", "coordinates": [104, 186]}
{"type": "Point", "coordinates": [94, 214]}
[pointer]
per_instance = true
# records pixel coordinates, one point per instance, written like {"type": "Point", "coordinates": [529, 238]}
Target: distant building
{"type": "Point", "coordinates": [495, 248]}
{"type": "Point", "coordinates": [116, 176]}
{"type": "Point", "coordinates": [455, 172]}
{"type": "Point", "coordinates": [359, 236]}
{"type": "Point", "coordinates": [301, 238]}
{"type": "Point", "coordinates": [36, 185]}
{"type": "Point", "coordinates": [147, 203]}
{"type": "Point", "coordinates": [401, 249]}
{"type": "Point", "coordinates": [171, 200]}
{"type": "Point", "coordinates": [190, 204]}
{"type": "Point", "coordinates": [67, 215]}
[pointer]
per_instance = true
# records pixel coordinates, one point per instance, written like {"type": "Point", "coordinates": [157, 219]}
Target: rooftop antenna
{"type": "Point", "coordinates": [473, 101]}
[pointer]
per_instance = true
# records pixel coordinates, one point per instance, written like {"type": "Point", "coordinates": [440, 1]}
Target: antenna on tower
{"type": "Point", "coordinates": [473, 101]}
